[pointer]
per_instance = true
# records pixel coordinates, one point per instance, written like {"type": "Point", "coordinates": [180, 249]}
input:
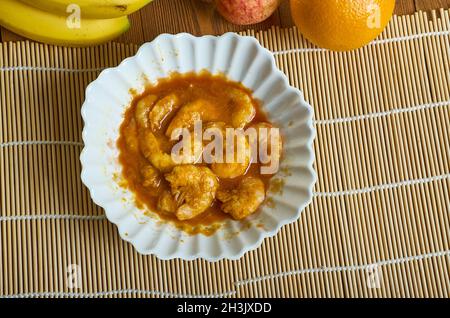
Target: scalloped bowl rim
{"type": "Point", "coordinates": [201, 254]}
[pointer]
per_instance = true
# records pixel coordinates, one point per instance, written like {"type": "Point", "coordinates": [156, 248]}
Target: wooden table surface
{"type": "Point", "coordinates": [197, 17]}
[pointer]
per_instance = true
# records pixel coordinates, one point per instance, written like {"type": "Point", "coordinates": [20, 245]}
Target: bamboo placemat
{"type": "Point", "coordinates": [381, 206]}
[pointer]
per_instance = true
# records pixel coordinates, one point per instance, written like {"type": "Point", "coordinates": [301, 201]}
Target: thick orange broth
{"type": "Point", "coordinates": [188, 87]}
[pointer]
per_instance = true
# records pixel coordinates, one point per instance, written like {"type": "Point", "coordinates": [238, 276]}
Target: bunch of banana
{"type": "Point", "coordinates": [68, 22]}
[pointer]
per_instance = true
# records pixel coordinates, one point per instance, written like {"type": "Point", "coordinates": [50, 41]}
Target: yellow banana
{"type": "Point", "coordinates": [95, 9]}
{"type": "Point", "coordinates": [58, 29]}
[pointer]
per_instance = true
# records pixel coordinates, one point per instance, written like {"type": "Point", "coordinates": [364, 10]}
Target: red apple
{"type": "Point", "coordinates": [245, 12]}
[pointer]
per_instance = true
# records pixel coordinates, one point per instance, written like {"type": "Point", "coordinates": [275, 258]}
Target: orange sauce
{"type": "Point", "coordinates": [188, 87]}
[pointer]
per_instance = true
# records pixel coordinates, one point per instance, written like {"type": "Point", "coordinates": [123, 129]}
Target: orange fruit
{"type": "Point", "coordinates": [341, 25]}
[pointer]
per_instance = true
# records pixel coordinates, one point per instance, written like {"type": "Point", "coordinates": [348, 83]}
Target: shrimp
{"type": "Point", "coordinates": [130, 135]}
{"type": "Point", "coordinates": [194, 188]}
{"type": "Point", "coordinates": [190, 113]}
{"type": "Point", "coordinates": [167, 203]}
{"type": "Point", "coordinates": [143, 107]}
{"type": "Point", "coordinates": [236, 153]}
{"type": "Point", "coordinates": [152, 152]}
{"type": "Point", "coordinates": [162, 109]}
{"type": "Point", "coordinates": [151, 177]}
{"type": "Point", "coordinates": [243, 112]}
{"type": "Point", "coordinates": [243, 109]}
{"type": "Point", "coordinates": [244, 200]}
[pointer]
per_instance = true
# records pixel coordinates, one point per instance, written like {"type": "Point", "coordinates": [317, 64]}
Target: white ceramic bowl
{"type": "Point", "coordinates": [241, 59]}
